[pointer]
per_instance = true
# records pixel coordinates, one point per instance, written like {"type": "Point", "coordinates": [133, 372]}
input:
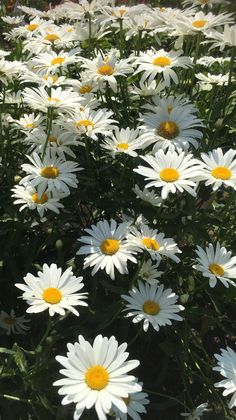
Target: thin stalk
{"type": "Point", "coordinates": [121, 37]}
{"type": "Point", "coordinates": [159, 394]}
{"type": "Point", "coordinates": [231, 69]}
{"type": "Point", "coordinates": [49, 128]}
{"type": "Point", "coordinates": [197, 48]}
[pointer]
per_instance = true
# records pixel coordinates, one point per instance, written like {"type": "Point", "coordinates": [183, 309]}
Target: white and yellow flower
{"type": "Point", "coordinates": [153, 305]}
{"type": "Point", "coordinates": [216, 264]}
{"type": "Point", "coordinates": [12, 323]}
{"type": "Point", "coordinates": [124, 140]}
{"type": "Point", "coordinates": [62, 100]}
{"type": "Point", "coordinates": [148, 195]}
{"type": "Point", "coordinates": [149, 273]}
{"type": "Point", "coordinates": [227, 367]}
{"type": "Point", "coordinates": [219, 169]}
{"type": "Point", "coordinates": [53, 290]}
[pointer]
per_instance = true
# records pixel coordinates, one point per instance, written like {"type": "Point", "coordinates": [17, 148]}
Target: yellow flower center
{"type": "Point", "coordinates": [151, 244]}
{"type": "Point", "coordinates": [50, 99]}
{"type": "Point", "coordinates": [169, 175]}
{"type": "Point", "coordinates": [52, 295]}
{"type": "Point", "coordinates": [216, 269]}
{"type": "Point", "coordinates": [52, 139]}
{"type": "Point", "coordinates": [85, 89]}
{"type": "Point", "coordinates": [110, 246]}
{"type": "Point", "coordinates": [43, 199]}
{"type": "Point", "coordinates": [122, 146]}
{"type": "Point", "coordinates": [31, 27]}
{"type": "Point", "coordinates": [161, 61]}
{"type": "Point", "coordinates": [203, 1]}
{"type": "Point", "coordinates": [51, 37]}
{"type": "Point", "coordinates": [9, 320]}
{"type": "Point", "coordinates": [97, 377]}
{"type": "Point", "coordinates": [199, 23]}
{"type": "Point", "coordinates": [57, 60]}
{"type": "Point", "coordinates": [170, 109]}
{"type": "Point", "coordinates": [220, 172]}
{"type": "Point", "coordinates": [53, 77]}
{"type": "Point", "coordinates": [49, 172]}
{"type": "Point", "coordinates": [105, 70]}
{"type": "Point", "coordinates": [30, 125]}
{"type": "Point", "coordinates": [84, 123]}
{"type": "Point", "coordinates": [168, 129]}
{"type": "Point", "coordinates": [151, 307]}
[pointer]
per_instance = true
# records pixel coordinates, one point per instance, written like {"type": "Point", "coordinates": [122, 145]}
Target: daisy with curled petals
{"type": "Point", "coordinates": [90, 123]}
{"type": "Point", "coordinates": [219, 169]}
{"type": "Point", "coordinates": [196, 413]}
{"type": "Point", "coordinates": [216, 264]}
{"type": "Point", "coordinates": [39, 98]}
{"type": "Point", "coordinates": [28, 122]}
{"type": "Point", "coordinates": [124, 140]}
{"type": "Point", "coordinates": [148, 272]}
{"type": "Point", "coordinates": [171, 172]}
{"type": "Point", "coordinates": [171, 128]}
{"type": "Point", "coordinates": [169, 103]}
{"type": "Point", "coordinates": [27, 196]}
{"type": "Point", "coordinates": [161, 62]}
{"type": "Point", "coordinates": [148, 196]}
{"type": "Point", "coordinates": [146, 239]}
{"type": "Point", "coordinates": [135, 406]}
{"type": "Point", "coordinates": [202, 3]}
{"type": "Point", "coordinates": [227, 368]}
{"type": "Point", "coordinates": [106, 69]}
{"type": "Point", "coordinates": [53, 290]}
{"type": "Point", "coordinates": [96, 375]}
{"type": "Point", "coordinates": [222, 39]}
{"type": "Point", "coordinates": [199, 22]}
{"type": "Point", "coordinates": [52, 174]}
{"type": "Point", "coordinates": [153, 305]}
{"type": "Point", "coordinates": [12, 323]}
{"type": "Point", "coordinates": [108, 247]}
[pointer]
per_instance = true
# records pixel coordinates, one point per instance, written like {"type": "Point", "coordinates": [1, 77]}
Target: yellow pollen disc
{"type": "Point", "coordinates": [169, 175]}
{"type": "Point", "coordinates": [32, 27]}
{"type": "Point", "coordinates": [126, 400]}
{"type": "Point", "coordinates": [123, 146]}
{"type": "Point", "coordinates": [52, 139]}
{"type": "Point", "coordinates": [52, 295]}
{"type": "Point", "coordinates": [57, 60]}
{"type": "Point", "coordinates": [51, 37]}
{"type": "Point", "coordinates": [50, 99]}
{"type": "Point", "coordinates": [220, 172]}
{"type": "Point", "coordinates": [43, 199]}
{"type": "Point", "coordinates": [170, 109]}
{"type": "Point", "coordinates": [151, 244]}
{"type": "Point", "coordinates": [203, 1]}
{"type": "Point", "coordinates": [9, 321]}
{"type": "Point", "coordinates": [105, 70]}
{"type": "Point", "coordinates": [110, 246]}
{"type": "Point", "coordinates": [30, 125]}
{"type": "Point", "coordinates": [85, 89]}
{"type": "Point", "coordinates": [97, 377]}
{"type": "Point", "coordinates": [162, 9]}
{"type": "Point", "coordinates": [216, 269]}
{"type": "Point", "coordinates": [161, 61]}
{"type": "Point", "coordinates": [49, 172]}
{"type": "Point", "coordinates": [122, 12]}
{"type": "Point", "coordinates": [168, 129]}
{"type": "Point", "coordinates": [199, 23]}
{"type": "Point", "coordinates": [84, 123]}
{"type": "Point", "coordinates": [53, 77]}
{"type": "Point", "coordinates": [151, 307]}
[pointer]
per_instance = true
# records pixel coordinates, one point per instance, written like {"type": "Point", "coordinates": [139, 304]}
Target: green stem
{"type": "Point", "coordinates": [49, 326]}
{"type": "Point", "coordinates": [121, 37]}
{"type": "Point", "coordinates": [49, 128]}
{"type": "Point", "coordinates": [197, 48]}
{"type": "Point", "coordinates": [159, 394]}
{"type": "Point", "coordinates": [90, 31]}
{"type": "Point", "coordinates": [231, 69]}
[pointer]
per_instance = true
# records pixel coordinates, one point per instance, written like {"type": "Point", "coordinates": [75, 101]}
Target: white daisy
{"type": "Point", "coordinates": [28, 122]}
{"type": "Point", "coordinates": [90, 122]}
{"type": "Point", "coordinates": [51, 62]}
{"type": "Point", "coordinates": [147, 88]}
{"type": "Point", "coordinates": [146, 239]}
{"type": "Point", "coordinates": [124, 140]}
{"type": "Point", "coordinates": [53, 290]}
{"type": "Point", "coordinates": [171, 127]}
{"type": "Point", "coordinates": [10, 70]}
{"type": "Point", "coordinates": [222, 39]}
{"type": "Point", "coordinates": [171, 172]}
{"type": "Point", "coordinates": [108, 247]}
{"type": "Point", "coordinates": [206, 81]}
{"type": "Point", "coordinates": [52, 174]}
{"type": "Point", "coordinates": [199, 22]}
{"type": "Point", "coordinates": [219, 169]}
{"type": "Point", "coordinates": [135, 405]}
{"type": "Point", "coordinates": [96, 375]}
{"type": "Point", "coordinates": [107, 68]}
{"type": "Point", "coordinates": [161, 62]}
{"type": "Point", "coordinates": [28, 197]}
{"type": "Point", "coordinates": [148, 272]}
{"type": "Point", "coordinates": [217, 264]}
{"type": "Point", "coordinates": [169, 103]}
{"type": "Point", "coordinates": [153, 305]}
{"type": "Point", "coordinates": [39, 98]}
{"type": "Point", "coordinates": [196, 413]}
{"type": "Point", "coordinates": [203, 3]}
{"type": "Point", "coordinates": [148, 195]}
{"type": "Point", "coordinates": [227, 368]}
{"type": "Point", "coordinates": [12, 323]}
